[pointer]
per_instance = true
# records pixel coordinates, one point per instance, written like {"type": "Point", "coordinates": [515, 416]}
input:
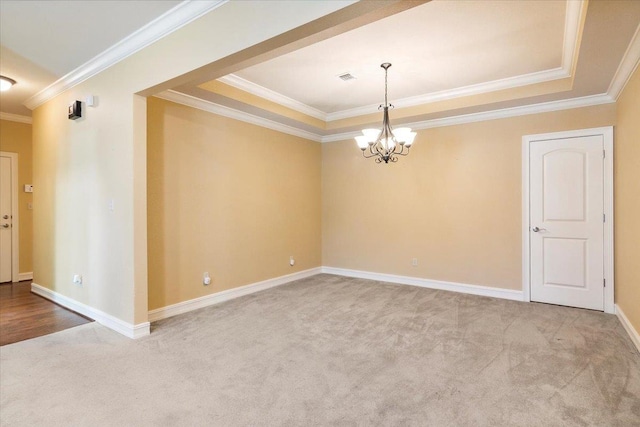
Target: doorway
{"type": "Point", "coordinates": [568, 218]}
{"type": "Point", "coordinates": [9, 217]}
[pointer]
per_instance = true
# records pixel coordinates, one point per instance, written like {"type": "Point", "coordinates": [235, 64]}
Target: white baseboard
{"type": "Point", "coordinates": [635, 337]}
{"type": "Point", "coordinates": [464, 288]}
{"type": "Point", "coordinates": [205, 301]}
{"type": "Point", "coordinates": [127, 329]}
{"type": "Point", "coordinates": [25, 276]}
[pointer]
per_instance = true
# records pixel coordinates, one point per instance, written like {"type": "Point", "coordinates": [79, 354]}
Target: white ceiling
{"type": "Point", "coordinates": [42, 41]}
{"type": "Point", "coordinates": [438, 46]}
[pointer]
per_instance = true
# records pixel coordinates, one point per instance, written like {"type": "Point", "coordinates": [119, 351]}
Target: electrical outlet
{"type": "Point", "coordinates": [206, 279]}
{"type": "Point", "coordinates": [292, 261]}
{"type": "Point", "coordinates": [77, 279]}
{"type": "Point", "coordinates": [414, 262]}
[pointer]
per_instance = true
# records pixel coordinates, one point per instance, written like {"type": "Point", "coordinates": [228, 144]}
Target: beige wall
{"type": "Point", "coordinates": [79, 166]}
{"type": "Point", "coordinates": [226, 197]}
{"type": "Point", "coordinates": [16, 138]}
{"type": "Point", "coordinates": [627, 201]}
{"type": "Point", "coordinates": [455, 203]}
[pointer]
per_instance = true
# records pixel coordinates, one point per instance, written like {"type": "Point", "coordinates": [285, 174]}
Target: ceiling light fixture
{"type": "Point", "coordinates": [6, 83]}
{"type": "Point", "coordinates": [385, 144]}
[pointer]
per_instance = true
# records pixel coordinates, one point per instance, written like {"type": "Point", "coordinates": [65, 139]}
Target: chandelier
{"type": "Point", "coordinates": [385, 144]}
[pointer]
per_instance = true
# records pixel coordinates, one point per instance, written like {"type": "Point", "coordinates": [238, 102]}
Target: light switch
{"type": "Point", "coordinates": [28, 188]}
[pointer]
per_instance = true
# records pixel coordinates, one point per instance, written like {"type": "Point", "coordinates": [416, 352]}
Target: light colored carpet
{"type": "Point", "coordinates": [330, 350]}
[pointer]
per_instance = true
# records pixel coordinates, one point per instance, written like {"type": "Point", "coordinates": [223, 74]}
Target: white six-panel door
{"type": "Point", "coordinates": [566, 208]}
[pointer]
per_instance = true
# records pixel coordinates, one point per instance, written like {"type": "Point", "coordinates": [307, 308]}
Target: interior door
{"type": "Point", "coordinates": [567, 221]}
{"type": "Point", "coordinates": [6, 186]}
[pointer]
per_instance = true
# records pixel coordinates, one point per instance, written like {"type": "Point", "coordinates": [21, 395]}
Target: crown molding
{"type": "Point", "coordinates": [15, 118]}
{"type": "Point", "coordinates": [573, 22]}
{"type": "Point", "coordinates": [200, 104]}
{"type": "Point", "coordinates": [543, 107]}
{"type": "Point", "coordinates": [495, 85]}
{"type": "Point", "coordinates": [627, 66]}
{"type": "Point", "coordinates": [572, 28]}
{"type": "Point", "coordinates": [165, 24]}
{"type": "Point", "coordinates": [268, 94]}
{"type": "Point", "coordinates": [492, 86]}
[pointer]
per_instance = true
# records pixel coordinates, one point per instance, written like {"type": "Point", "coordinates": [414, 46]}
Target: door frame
{"type": "Point", "coordinates": [607, 136]}
{"type": "Point", "coordinates": [15, 223]}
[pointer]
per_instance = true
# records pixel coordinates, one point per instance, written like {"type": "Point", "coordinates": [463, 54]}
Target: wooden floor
{"type": "Point", "coordinates": [24, 315]}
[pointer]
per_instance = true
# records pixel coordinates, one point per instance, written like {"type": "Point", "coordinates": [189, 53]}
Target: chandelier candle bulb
{"type": "Point", "coordinates": [385, 144]}
{"type": "Point", "coordinates": [363, 142]}
{"type": "Point", "coordinates": [409, 140]}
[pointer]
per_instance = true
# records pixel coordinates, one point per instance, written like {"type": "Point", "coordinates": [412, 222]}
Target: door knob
{"type": "Point", "coordinates": [5, 216]}
{"type": "Point", "coordinates": [536, 229]}
{"type": "Point", "coordinates": [5, 225]}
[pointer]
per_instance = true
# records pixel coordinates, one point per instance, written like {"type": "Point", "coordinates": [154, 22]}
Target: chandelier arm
{"type": "Point", "coordinates": [375, 148]}
{"type": "Point", "coordinates": [373, 153]}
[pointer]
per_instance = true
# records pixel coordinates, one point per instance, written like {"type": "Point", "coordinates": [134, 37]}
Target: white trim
{"type": "Point", "coordinates": [627, 66]}
{"type": "Point", "coordinates": [268, 94]}
{"type": "Point", "coordinates": [206, 301]}
{"type": "Point", "coordinates": [15, 118]}
{"type": "Point", "coordinates": [526, 235]}
{"type": "Point", "coordinates": [476, 89]}
{"type": "Point", "coordinates": [523, 110]}
{"type": "Point", "coordinates": [127, 329]}
{"type": "Point", "coordinates": [633, 334]}
{"type": "Point", "coordinates": [192, 101]}
{"type": "Point", "coordinates": [574, 10]}
{"type": "Point", "coordinates": [486, 291]}
{"type": "Point", "coordinates": [165, 24]}
{"type": "Point", "coordinates": [609, 236]}
{"type": "Point", "coordinates": [607, 135]}
{"type": "Point", "coordinates": [572, 20]}
{"type": "Point", "coordinates": [15, 217]}
{"type": "Point", "coordinates": [544, 107]}
{"type": "Point", "coordinates": [495, 85]}
{"type": "Point", "coordinates": [25, 276]}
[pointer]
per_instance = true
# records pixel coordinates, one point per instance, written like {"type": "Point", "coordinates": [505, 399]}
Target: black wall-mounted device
{"type": "Point", "coordinates": [75, 110]}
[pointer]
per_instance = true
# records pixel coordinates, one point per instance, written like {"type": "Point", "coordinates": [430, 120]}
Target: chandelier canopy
{"type": "Point", "coordinates": [385, 144]}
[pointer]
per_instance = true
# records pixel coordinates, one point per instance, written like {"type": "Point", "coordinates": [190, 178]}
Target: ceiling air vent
{"type": "Point", "coordinates": [346, 76]}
